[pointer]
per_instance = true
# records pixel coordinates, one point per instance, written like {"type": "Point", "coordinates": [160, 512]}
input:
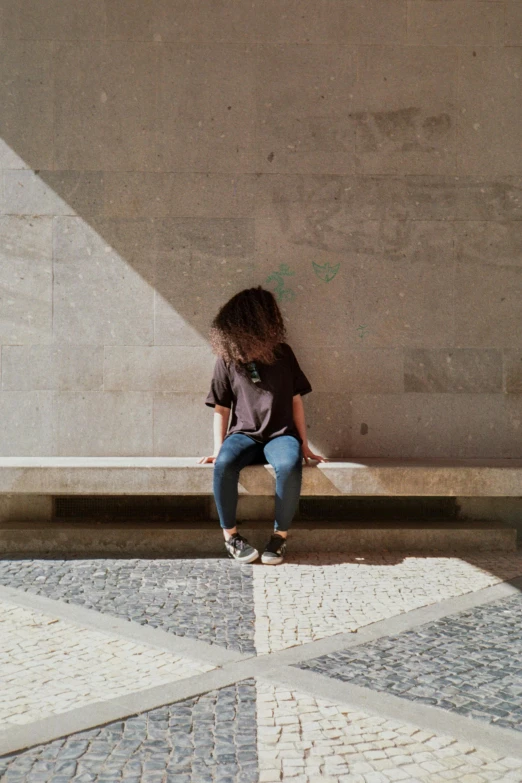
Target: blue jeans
{"type": "Point", "coordinates": [238, 450]}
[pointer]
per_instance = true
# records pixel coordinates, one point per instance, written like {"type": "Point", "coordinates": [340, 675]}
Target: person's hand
{"type": "Point", "coordinates": [308, 454]}
{"type": "Point", "coordinates": [201, 460]}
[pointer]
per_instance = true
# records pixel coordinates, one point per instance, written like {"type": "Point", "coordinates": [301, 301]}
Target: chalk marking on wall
{"type": "Point", "coordinates": [361, 329]}
{"type": "Point", "coordinates": [325, 271]}
{"type": "Point", "coordinates": [282, 294]}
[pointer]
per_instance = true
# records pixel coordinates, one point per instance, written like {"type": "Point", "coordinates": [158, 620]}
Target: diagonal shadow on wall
{"type": "Point", "coordinates": [141, 189]}
{"type": "Point", "coordinates": [127, 221]}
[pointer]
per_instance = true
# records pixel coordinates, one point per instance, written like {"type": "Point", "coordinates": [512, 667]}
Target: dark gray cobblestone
{"type": "Point", "coordinates": [469, 663]}
{"type": "Point", "coordinates": [207, 739]}
{"type": "Point", "coordinates": [209, 600]}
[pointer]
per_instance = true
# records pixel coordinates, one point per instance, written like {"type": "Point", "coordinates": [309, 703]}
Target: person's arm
{"type": "Point", "coordinates": [299, 417]}
{"type": "Point", "coordinates": [221, 418]}
{"type": "Point", "coordinates": [221, 398]}
{"type": "Point", "coordinates": [299, 421]}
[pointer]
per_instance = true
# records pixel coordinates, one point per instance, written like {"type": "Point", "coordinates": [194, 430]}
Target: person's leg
{"type": "Point", "coordinates": [237, 451]}
{"type": "Point", "coordinates": [285, 455]}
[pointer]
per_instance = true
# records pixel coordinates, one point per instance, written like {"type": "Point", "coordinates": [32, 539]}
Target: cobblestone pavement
{"type": "Point", "coordinates": [308, 599]}
{"type": "Point", "coordinates": [258, 609]}
{"type": "Point", "coordinates": [331, 669]}
{"type": "Point", "coordinates": [305, 738]}
{"type": "Point", "coordinates": [469, 663]}
{"type": "Point", "coordinates": [210, 600]}
{"type": "Point", "coordinates": [207, 738]}
{"type": "Point", "coordinates": [49, 666]}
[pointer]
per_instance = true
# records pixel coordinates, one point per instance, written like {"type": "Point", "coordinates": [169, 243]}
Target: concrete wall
{"type": "Point", "coordinates": [157, 157]}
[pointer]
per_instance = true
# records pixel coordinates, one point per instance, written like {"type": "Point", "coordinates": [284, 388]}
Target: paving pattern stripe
{"type": "Point", "coordinates": [435, 719]}
{"type": "Point", "coordinates": [243, 667]}
{"type": "Point", "coordinates": [126, 629]}
{"type": "Point", "coordinates": [469, 663]}
{"type": "Point", "coordinates": [311, 598]}
{"type": "Point", "coordinates": [255, 732]}
{"type": "Point", "coordinates": [99, 713]}
{"type": "Point", "coordinates": [209, 599]}
{"type": "Point", "coordinates": [49, 666]}
{"type": "Point", "coordinates": [399, 623]}
{"type": "Point", "coordinates": [217, 655]}
{"type": "Point", "coordinates": [206, 739]}
{"type": "Point", "coordinates": [256, 609]}
{"type": "Point", "coordinates": [304, 739]}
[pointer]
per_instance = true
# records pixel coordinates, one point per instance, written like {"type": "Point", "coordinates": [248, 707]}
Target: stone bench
{"type": "Point", "coordinates": [184, 476]}
{"type": "Point", "coordinates": [29, 484]}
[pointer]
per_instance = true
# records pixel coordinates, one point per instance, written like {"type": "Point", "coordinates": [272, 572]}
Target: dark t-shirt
{"type": "Point", "coordinates": [261, 410]}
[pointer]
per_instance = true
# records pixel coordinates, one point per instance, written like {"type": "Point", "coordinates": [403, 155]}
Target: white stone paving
{"type": "Point", "coordinates": [315, 596]}
{"type": "Point", "coordinates": [49, 666]}
{"type": "Point", "coordinates": [304, 739]}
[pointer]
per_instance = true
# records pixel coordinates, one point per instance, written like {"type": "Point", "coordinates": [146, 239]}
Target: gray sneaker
{"type": "Point", "coordinates": [274, 551]}
{"type": "Point", "coordinates": [238, 548]}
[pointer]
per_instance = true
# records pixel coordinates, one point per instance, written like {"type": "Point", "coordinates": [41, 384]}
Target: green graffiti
{"type": "Point", "coordinates": [282, 294]}
{"type": "Point", "coordinates": [362, 332]}
{"type": "Point", "coordinates": [325, 272]}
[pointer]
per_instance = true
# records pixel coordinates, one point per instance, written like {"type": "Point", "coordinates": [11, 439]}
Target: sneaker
{"type": "Point", "coordinates": [274, 550]}
{"type": "Point", "coordinates": [238, 548]}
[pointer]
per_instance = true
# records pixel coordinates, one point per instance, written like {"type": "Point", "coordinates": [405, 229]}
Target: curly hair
{"type": "Point", "coordinates": [248, 327]}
